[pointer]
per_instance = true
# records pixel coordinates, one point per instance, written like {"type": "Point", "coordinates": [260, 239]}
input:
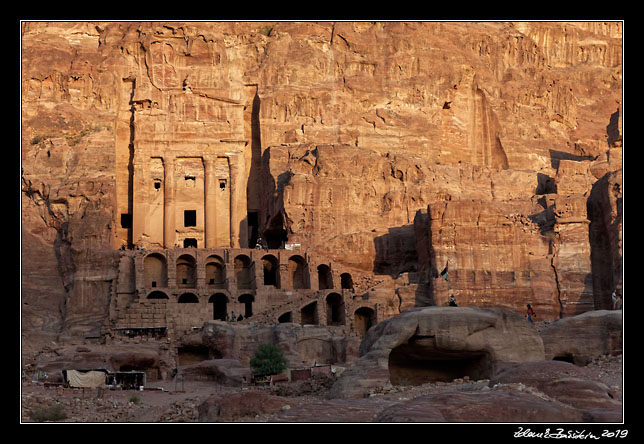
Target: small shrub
{"type": "Point", "coordinates": [52, 413]}
{"type": "Point", "coordinates": [268, 360]}
{"type": "Point", "coordinates": [134, 399]}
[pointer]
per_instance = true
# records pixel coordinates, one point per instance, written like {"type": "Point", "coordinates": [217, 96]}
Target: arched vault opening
{"type": "Point", "coordinates": [419, 361]}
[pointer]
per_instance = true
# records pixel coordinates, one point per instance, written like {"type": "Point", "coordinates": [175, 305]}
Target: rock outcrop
{"type": "Point", "coordinates": [503, 133]}
{"type": "Point", "coordinates": [227, 372]}
{"type": "Point", "coordinates": [439, 344]}
{"type": "Point", "coordinates": [244, 405]}
{"type": "Point", "coordinates": [580, 339]}
{"type": "Point", "coordinates": [302, 345]}
{"type": "Point", "coordinates": [153, 359]}
{"type": "Point", "coordinates": [568, 384]}
{"type": "Point", "coordinates": [490, 406]}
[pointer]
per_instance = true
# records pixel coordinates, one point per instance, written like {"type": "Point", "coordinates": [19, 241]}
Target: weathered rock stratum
{"type": "Point", "coordinates": [391, 149]}
{"type": "Point", "coordinates": [439, 344]}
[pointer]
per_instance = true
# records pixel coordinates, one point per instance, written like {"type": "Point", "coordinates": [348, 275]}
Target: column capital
{"type": "Point", "coordinates": [169, 160]}
{"type": "Point", "coordinates": [209, 161]}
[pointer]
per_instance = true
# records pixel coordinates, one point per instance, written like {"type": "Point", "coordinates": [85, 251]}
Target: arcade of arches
{"type": "Point", "coordinates": [182, 288]}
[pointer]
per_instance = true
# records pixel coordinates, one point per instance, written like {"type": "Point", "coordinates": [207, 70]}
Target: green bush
{"type": "Point", "coordinates": [268, 360]}
{"type": "Point", "coordinates": [53, 413]}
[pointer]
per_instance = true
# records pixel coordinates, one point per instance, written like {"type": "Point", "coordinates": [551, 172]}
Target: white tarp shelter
{"type": "Point", "coordinates": [92, 378]}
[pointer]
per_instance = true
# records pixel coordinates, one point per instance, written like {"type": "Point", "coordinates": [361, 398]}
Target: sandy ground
{"type": "Point", "coordinates": [176, 403]}
{"type": "Point", "coordinates": [179, 403]}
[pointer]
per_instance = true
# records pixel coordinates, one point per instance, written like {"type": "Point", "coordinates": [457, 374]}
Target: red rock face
{"type": "Point", "coordinates": [389, 148]}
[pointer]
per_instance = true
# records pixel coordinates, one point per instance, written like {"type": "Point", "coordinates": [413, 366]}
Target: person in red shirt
{"type": "Point", "coordinates": [530, 313]}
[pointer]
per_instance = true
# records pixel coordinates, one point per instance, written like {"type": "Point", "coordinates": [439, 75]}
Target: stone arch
{"type": "Point", "coordinates": [309, 313]}
{"type": "Point", "coordinates": [219, 303]}
{"type": "Point", "coordinates": [271, 267]}
{"type": "Point", "coordinates": [364, 318]}
{"type": "Point", "coordinates": [297, 272]}
{"type": "Point", "coordinates": [346, 281]}
{"type": "Point", "coordinates": [285, 317]}
{"type": "Point", "coordinates": [335, 309]}
{"type": "Point", "coordinates": [243, 274]}
{"type": "Point", "coordinates": [155, 271]}
{"type": "Point", "coordinates": [325, 277]}
{"type": "Point", "coordinates": [186, 271]}
{"type": "Point", "coordinates": [157, 294]}
{"type": "Point", "coordinates": [188, 298]}
{"type": "Point", "coordinates": [215, 272]}
{"type": "Point", "coordinates": [247, 300]}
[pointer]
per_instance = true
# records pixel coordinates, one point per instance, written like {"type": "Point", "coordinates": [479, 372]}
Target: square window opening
{"type": "Point", "coordinates": [190, 242]}
{"type": "Point", "coordinates": [190, 218]}
{"type": "Point", "coordinates": [126, 220]}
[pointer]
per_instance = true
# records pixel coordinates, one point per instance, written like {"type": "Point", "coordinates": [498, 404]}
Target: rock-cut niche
{"type": "Point", "coordinates": [418, 362]}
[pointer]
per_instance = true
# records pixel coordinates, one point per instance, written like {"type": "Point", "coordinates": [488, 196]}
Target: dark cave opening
{"type": "Point", "coordinates": [415, 363]}
{"type": "Point", "coordinates": [188, 355]}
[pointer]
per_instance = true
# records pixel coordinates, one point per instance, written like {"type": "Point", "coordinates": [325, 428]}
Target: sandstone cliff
{"type": "Point", "coordinates": [388, 147]}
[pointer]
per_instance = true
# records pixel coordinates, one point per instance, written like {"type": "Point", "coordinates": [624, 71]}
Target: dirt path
{"type": "Point", "coordinates": [180, 403]}
{"type": "Point", "coordinates": [175, 403]}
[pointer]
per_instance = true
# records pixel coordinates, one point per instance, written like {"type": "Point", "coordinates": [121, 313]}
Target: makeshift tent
{"type": "Point", "coordinates": [91, 378]}
{"type": "Point", "coordinates": [129, 380]}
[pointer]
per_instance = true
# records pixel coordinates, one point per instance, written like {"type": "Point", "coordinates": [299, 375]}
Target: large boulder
{"type": "Point", "coordinates": [489, 406]}
{"type": "Point", "coordinates": [228, 372]}
{"type": "Point", "coordinates": [567, 383]}
{"type": "Point", "coordinates": [227, 407]}
{"type": "Point", "coordinates": [439, 344]}
{"type": "Point", "coordinates": [501, 404]}
{"type": "Point", "coordinates": [581, 338]}
{"type": "Point", "coordinates": [150, 358]}
{"type": "Point", "coordinates": [302, 345]}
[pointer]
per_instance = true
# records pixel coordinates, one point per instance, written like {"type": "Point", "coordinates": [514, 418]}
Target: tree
{"type": "Point", "coordinates": [268, 360]}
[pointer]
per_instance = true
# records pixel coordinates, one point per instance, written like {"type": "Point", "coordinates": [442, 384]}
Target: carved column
{"type": "Point", "coordinates": [169, 229]}
{"type": "Point", "coordinates": [238, 223]}
{"type": "Point", "coordinates": [139, 196]}
{"type": "Point", "coordinates": [210, 198]}
{"type": "Point", "coordinates": [171, 263]}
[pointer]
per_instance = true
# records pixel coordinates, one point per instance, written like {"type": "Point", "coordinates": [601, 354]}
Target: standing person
{"type": "Point", "coordinates": [452, 301]}
{"type": "Point", "coordinates": [530, 313]}
{"type": "Point", "coordinates": [615, 299]}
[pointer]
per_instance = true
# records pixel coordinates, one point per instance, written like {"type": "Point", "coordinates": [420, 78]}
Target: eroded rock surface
{"type": "Point", "coordinates": [302, 345]}
{"type": "Point", "coordinates": [439, 344]}
{"type": "Point", "coordinates": [349, 129]}
{"type": "Point", "coordinates": [580, 339]}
